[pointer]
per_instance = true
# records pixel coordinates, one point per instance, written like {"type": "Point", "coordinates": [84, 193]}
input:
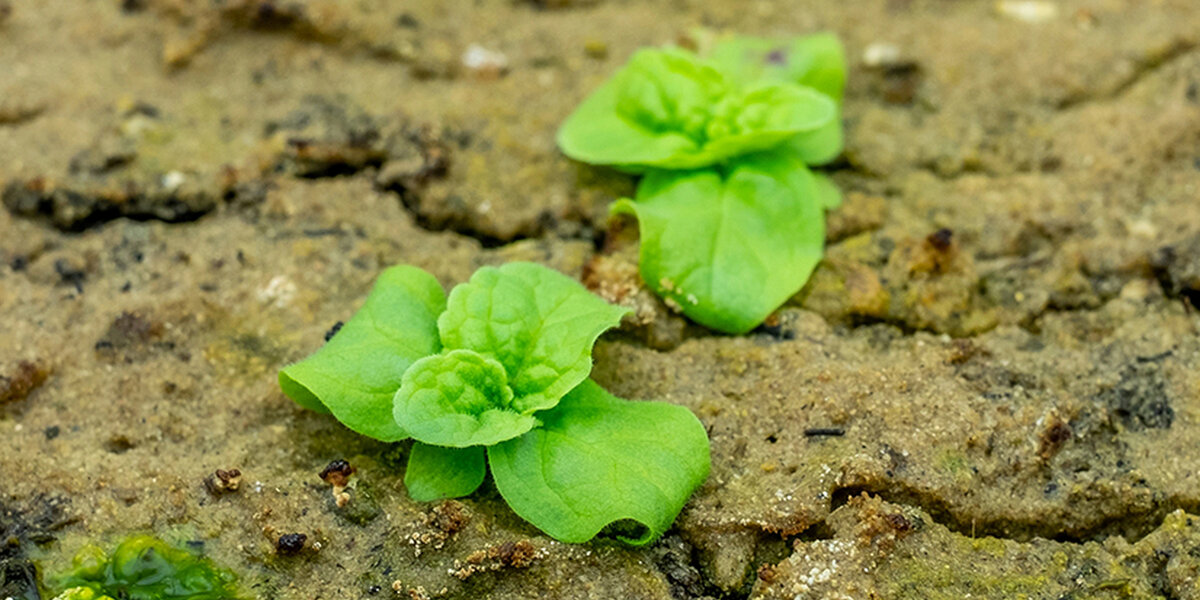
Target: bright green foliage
{"type": "Point", "coordinates": [730, 218]}
{"type": "Point", "coordinates": [538, 323]}
{"type": "Point", "coordinates": [731, 260]}
{"type": "Point", "coordinates": [459, 399]}
{"type": "Point", "coordinates": [358, 371]}
{"type": "Point", "coordinates": [510, 344]}
{"type": "Point", "coordinates": [437, 472]}
{"type": "Point", "coordinates": [145, 568]}
{"type": "Point", "coordinates": [670, 109]}
{"type": "Point", "coordinates": [598, 459]}
{"type": "Point", "coordinates": [816, 61]}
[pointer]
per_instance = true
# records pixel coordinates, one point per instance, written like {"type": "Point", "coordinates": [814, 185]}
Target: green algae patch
{"type": "Point", "coordinates": [145, 568]}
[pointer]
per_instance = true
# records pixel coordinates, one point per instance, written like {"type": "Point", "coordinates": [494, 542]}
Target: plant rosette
{"type": "Point", "coordinates": [496, 375]}
{"type": "Point", "coordinates": [731, 218]}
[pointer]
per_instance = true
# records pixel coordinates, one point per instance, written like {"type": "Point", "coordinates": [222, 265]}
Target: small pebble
{"type": "Point", "coordinates": [290, 543]}
{"type": "Point", "coordinates": [1029, 11]}
{"type": "Point", "coordinates": [484, 63]}
{"type": "Point", "coordinates": [880, 54]}
{"type": "Point", "coordinates": [222, 481]}
{"type": "Point", "coordinates": [337, 473]}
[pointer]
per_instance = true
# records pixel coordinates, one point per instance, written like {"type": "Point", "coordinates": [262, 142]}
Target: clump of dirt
{"type": "Point", "coordinates": [887, 551]}
{"type": "Point", "coordinates": [26, 378]}
{"type": "Point", "coordinates": [1178, 269]}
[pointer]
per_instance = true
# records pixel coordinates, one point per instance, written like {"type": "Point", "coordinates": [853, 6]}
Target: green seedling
{"type": "Point", "coordinates": [496, 374]}
{"type": "Point", "coordinates": [145, 568]}
{"type": "Point", "coordinates": [732, 220]}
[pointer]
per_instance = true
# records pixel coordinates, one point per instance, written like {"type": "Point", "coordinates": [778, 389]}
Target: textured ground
{"type": "Point", "coordinates": [1001, 350]}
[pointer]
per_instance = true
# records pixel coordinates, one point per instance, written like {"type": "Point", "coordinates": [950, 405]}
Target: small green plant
{"type": "Point", "coordinates": [732, 220]}
{"type": "Point", "coordinates": [145, 568]}
{"type": "Point", "coordinates": [496, 374]}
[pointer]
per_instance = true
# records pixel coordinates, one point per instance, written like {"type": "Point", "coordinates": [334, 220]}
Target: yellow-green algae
{"type": "Point", "coordinates": [145, 568]}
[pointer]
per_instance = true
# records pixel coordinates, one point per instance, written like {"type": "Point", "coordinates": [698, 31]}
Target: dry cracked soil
{"type": "Point", "coordinates": [989, 389]}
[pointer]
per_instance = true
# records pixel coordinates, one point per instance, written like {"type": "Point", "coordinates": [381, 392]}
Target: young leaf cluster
{"type": "Point", "coordinates": [731, 218]}
{"type": "Point", "coordinates": [496, 374]}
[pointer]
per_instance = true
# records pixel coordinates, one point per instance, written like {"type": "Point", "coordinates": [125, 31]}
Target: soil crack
{"type": "Point", "coordinates": [1146, 66]}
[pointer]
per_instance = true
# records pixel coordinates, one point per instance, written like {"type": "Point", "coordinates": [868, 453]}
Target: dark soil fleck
{"type": "Point", "coordinates": [17, 386]}
{"type": "Point", "coordinates": [898, 83]}
{"type": "Point", "coordinates": [337, 473]}
{"type": "Point", "coordinates": [222, 481]}
{"type": "Point", "coordinates": [69, 274]}
{"type": "Point", "coordinates": [451, 516]}
{"type": "Point", "coordinates": [332, 332]}
{"type": "Point", "coordinates": [1178, 269]}
{"type": "Point", "coordinates": [119, 444]}
{"type": "Point", "coordinates": [1139, 400]}
{"type": "Point", "coordinates": [1053, 437]}
{"type": "Point", "coordinates": [18, 580]}
{"type": "Point", "coordinates": [290, 543]}
{"type": "Point", "coordinates": [941, 239]}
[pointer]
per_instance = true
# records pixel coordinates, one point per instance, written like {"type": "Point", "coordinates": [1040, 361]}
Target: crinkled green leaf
{"type": "Point", "coordinates": [762, 116]}
{"type": "Point", "coordinates": [436, 472]}
{"type": "Point", "coordinates": [669, 90]}
{"type": "Point", "coordinates": [651, 112]}
{"type": "Point", "coordinates": [598, 459]}
{"type": "Point", "coordinates": [729, 247]}
{"type": "Point", "coordinates": [817, 61]}
{"type": "Point", "coordinates": [669, 109]}
{"type": "Point", "coordinates": [356, 373]}
{"type": "Point", "coordinates": [538, 323]}
{"type": "Point", "coordinates": [459, 398]}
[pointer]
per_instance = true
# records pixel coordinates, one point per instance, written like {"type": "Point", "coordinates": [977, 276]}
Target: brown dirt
{"type": "Point", "coordinates": [1001, 342]}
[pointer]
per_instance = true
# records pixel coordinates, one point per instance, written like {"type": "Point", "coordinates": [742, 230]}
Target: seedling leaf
{"type": "Point", "coordinates": [538, 323]}
{"type": "Point", "coordinates": [597, 460]}
{"type": "Point", "coordinates": [459, 398]}
{"type": "Point", "coordinates": [356, 373]}
{"type": "Point", "coordinates": [729, 247]}
{"type": "Point", "coordinates": [669, 109]}
{"type": "Point", "coordinates": [437, 473]}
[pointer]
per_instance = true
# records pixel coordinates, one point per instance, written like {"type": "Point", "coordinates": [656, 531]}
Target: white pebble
{"type": "Point", "coordinates": [880, 54]}
{"type": "Point", "coordinates": [171, 180]}
{"type": "Point", "coordinates": [480, 59]}
{"type": "Point", "coordinates": [1029, 11]}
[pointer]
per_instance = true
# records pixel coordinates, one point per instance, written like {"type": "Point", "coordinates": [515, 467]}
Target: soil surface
{"type": "Point", "coordinates": [990, 388]}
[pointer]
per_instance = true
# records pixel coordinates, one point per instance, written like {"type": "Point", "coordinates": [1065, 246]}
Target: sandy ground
{"type": "Point", "coordinates": [989, 389]}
